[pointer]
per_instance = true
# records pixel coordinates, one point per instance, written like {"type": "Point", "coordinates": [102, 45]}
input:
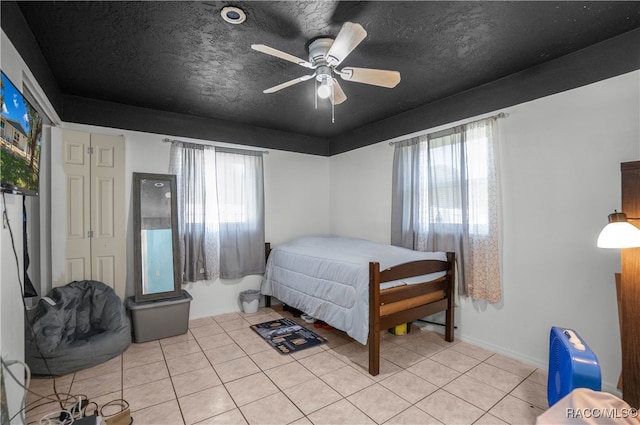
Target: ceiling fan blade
{"type": "Point", "coordinates": [348, 38]}
{"type": "Point", "coordinates": [375, 77]}
{"type": "Point", "coordinates": [280, 54]}
{"type": "Point", "coordinates": [338, 95]}
{"type": "Point", "coordinates": [289, 83]}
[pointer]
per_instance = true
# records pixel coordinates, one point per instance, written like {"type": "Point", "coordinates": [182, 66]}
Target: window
{"type": "Point", "coordinates": [446, 198]}
{"type": "Point", "coordinates": [239, 181]}
{"type": "Point", "coordinates": [235, 185]}
{"type": "Point", "coordinates": [220, 211]}
{"type": "Point", "coordinates": [444, 205]}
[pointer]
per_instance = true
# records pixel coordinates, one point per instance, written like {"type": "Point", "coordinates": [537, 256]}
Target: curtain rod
{"type": "Point", "coordinates": [167, 140]}
{"type": "Point", "coordinates": [497, 116]}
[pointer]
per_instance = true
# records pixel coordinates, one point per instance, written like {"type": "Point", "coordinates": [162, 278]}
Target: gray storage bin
{"type": "Point", "coordinates": [159, 319]}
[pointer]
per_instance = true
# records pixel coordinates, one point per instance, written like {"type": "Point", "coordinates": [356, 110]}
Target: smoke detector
{"type": "Point", "coordinates": [233, 15]}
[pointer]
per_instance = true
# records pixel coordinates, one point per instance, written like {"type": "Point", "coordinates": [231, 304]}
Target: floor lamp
{"type": "Point", "coordinates": [620, 233]}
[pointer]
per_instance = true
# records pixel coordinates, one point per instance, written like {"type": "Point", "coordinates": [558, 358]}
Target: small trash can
{"type": "Point", "coordinates": [250, 300]}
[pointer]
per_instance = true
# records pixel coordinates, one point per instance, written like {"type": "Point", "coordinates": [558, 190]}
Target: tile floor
{"type": "Point", "coordinates": [222, 372]}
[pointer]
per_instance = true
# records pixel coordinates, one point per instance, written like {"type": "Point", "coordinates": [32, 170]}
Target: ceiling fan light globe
{"type": "Point", "coordinates": [324, 91]}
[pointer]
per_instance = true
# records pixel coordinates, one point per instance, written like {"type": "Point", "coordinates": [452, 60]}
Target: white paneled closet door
{"type": "Point", "coordinates": [77, 175]}
{"type": "Point", "coordinates": [94, 167]}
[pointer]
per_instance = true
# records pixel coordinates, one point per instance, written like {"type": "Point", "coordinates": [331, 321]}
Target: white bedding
{"type": "Point", "coordinates": [327, 277]}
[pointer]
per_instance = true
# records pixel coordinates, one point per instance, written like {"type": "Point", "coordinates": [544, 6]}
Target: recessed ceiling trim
{"type": "Point", "coordinates": [598, 62]}
{"type": "Point", "coordinates": [100, 113]}
{"type": "Point", "coordinates": [233, 15]}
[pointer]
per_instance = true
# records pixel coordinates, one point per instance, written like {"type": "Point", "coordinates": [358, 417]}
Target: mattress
{"type": "Point", "coordinates": [327, 277]}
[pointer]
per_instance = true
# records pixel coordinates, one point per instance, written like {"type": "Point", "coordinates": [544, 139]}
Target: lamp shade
{"type": "Point", "coordinates": [619, 233]}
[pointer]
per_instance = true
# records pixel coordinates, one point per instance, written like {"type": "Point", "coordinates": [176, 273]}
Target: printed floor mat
{"type": "Point", "coordinates": [287, 336]}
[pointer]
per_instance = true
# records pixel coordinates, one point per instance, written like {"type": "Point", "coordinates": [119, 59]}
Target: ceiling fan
{"type": "Point", "coordinates": [325, 54]}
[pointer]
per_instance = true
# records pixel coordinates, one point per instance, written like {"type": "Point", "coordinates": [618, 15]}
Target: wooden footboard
{"type": "Point", "coordinates": [267, 251]}
{"type": "Point", "coordinates": [403, 304]}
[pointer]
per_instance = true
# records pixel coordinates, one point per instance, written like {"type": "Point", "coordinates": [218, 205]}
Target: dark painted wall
{"type": "Point", "coordinates": [107, 114]}
{"type": "Point", "coordinates": [15, 27]}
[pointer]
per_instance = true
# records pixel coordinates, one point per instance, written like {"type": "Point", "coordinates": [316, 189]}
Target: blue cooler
{"type": "Point", "coordinates": [572, 364]}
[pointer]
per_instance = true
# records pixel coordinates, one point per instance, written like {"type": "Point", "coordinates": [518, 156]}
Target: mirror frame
{"type": "Point", "coordinates": [137, 236]}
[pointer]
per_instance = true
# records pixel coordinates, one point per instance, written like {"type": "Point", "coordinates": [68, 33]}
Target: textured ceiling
{"type": "Point", "coordinates": [182, 57]}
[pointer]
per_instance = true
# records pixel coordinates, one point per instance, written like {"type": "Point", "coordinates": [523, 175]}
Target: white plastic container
{"type": "Point", "coordinates": [251, 306]}
{"type": "Point", "coordinates": [250, 300]}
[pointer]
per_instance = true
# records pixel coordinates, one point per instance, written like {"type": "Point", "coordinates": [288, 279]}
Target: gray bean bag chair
{"type": "Point", "coordinates": [76, 326]}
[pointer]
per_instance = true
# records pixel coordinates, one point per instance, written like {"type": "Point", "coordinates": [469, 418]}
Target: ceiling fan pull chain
{"type": "Point", "coordinates": [333, 116]}
{"type": "Point", "coordinates": [315, 93]}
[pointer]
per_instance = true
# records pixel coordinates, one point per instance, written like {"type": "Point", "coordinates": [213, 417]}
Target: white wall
{"type": "Point", "coordinates": [11, 307]}
{"type": "Point", "coordinates": [560, 163]}
{"type": "Point", "coordinates": [11, 310]}
{"type": "Point", "coordinates": [560, 171]}
{"type": "Point", "coordinates": [296, 203]}
{"type": "Point", "coordinates": [360, 190]}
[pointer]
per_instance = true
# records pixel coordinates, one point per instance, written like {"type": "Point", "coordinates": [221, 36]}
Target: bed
{"type": "Point", "coordinates": [361, 287]}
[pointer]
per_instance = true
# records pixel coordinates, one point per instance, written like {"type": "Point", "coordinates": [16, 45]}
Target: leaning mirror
{"type": "Point", "coordinates": [155, 222]}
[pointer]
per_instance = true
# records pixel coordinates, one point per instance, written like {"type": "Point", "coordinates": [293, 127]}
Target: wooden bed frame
{"type": "Point", "coordinates": [404, 304]}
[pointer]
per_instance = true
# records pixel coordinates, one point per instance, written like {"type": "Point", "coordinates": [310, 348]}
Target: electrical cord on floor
{"type": "Point", "coordinates": [5, 366]}
{"type": "Point", "coordinates": [7, 224]}
{"type": "Point", "coordinates": [63, 417]}
{"type": "Point", "coordinates": [80, 403]}
{"type": "Point", "coordinates": [121, 416]}
{"type": "Point", "coordinates": [78, 400]}
{"type": "Point", "coordinates": [77, 411]}
{"type": "Point", "coordinates": [433, 323]}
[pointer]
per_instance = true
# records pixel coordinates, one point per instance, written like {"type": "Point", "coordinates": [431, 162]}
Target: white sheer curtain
{"type": "Point", "coordinates": [220, 211]}
{"type": "Point", "coordinates": [485, 207]}
{"type": "Point", "coordinates": [194, 167]}
{"type": "Point", "coordinates": [405, 187]}
{"type": "Point", "coordinates": [239, 176]}
{"type": "Point", "coordinates": [446, 198]}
